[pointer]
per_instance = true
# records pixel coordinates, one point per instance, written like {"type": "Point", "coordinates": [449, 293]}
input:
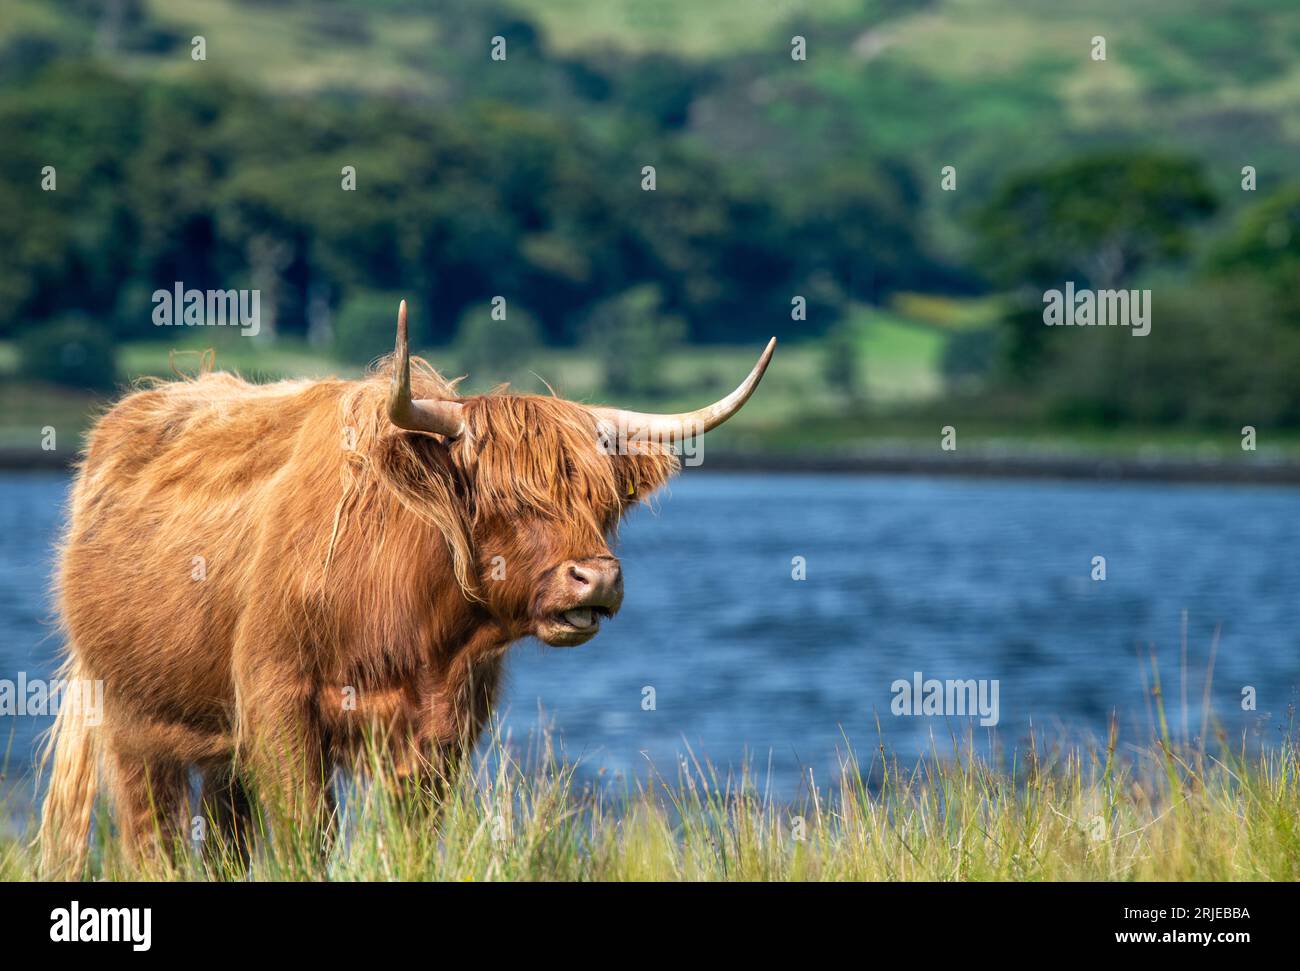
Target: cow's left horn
{"type": "Point", "coordinates": [687, 423]}
{"type": "Point", "coordinates": [419, 414]}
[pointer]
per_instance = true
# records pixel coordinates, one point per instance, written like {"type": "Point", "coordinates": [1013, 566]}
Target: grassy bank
{"type": "Point", "coordinates": [901, 404]}
{"type": "Point", "coordinates": [1157, 814]}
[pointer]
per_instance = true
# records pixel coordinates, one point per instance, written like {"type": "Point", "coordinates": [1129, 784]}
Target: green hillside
{"type": "Point", "coordinates": [981, 84]}
{"type": "Point", "coordinates": [780, 179]}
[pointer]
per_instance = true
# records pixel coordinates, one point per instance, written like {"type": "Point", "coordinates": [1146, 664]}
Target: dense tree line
{"type": "Point", "coordinates": [505, 192]}
{"type": "Point", "coordinates": [531, 184]}
{"type": "Point", "coordinates": [1224, 343]}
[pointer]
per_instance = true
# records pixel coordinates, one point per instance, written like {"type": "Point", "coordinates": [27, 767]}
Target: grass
{"type": "Point", "coordinates": [797, 412]}
{"type": "Point", "coordinates": [28, 409]}
{"type": "Point", "coordinates": [1165, 812]}
{"type": "Point", "coordinates": [1080, 818]}
{"type": "Point", "coordinates": [900, 361]}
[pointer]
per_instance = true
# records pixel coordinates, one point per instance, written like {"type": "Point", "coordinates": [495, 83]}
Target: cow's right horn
{"type": "Point", "coordinates": [687, 424]}
{"type": "Point", "coordinates": [419, 414]}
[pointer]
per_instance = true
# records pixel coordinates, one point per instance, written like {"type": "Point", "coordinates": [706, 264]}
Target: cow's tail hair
{"type": "Point", "coordinates": [73, 749]}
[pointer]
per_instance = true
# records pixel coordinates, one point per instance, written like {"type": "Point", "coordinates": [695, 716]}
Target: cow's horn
{"type": "Point", "coordinates": [687, 423]}
{"type": "Point", "coordinates": [419, 414]}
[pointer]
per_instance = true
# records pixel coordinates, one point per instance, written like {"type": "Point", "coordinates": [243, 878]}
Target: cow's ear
{"type": "Point", "coordinates": [640, 474]}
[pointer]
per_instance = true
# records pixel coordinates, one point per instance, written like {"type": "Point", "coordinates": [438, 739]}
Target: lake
{"type": "Point", "coordinates": [718, 647]}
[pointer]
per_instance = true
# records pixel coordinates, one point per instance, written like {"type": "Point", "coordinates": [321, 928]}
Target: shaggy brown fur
{"type": "Point", "coordinates": [241, 560]}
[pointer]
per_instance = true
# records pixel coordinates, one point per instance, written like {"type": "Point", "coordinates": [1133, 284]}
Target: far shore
{"type": "Point", "coordinates": [973, 463]}
{"type": "Point", "coordinates": [1017, 465]}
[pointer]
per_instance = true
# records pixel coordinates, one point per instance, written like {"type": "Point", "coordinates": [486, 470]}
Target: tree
{"type": "Point", "coordinates": [841, 360]}
{"type": "Point", "coordinates": [1097, 221]}
{"type": "Point", "coordinates": [493, 351]}
{"type": "Point", "coordinates": [1220, 360]}
{"type": "Point", "coordinates": [70, 351]}
{"type": "Point", "coordinates": [366, 326]}
{"type": "Point", "coordinates": [1265, 246]}
{"type": "Point", "coordinates": [629, 334]}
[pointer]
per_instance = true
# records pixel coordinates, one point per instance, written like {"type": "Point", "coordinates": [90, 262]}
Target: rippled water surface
{"type": "Point", "coordinates": [951, 578]}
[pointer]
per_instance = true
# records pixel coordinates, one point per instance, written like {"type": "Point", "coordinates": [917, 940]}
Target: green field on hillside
{"type": "Point", "coordinates": [899, 364]}
{"type": "Point", "coordinates": [986, 86]}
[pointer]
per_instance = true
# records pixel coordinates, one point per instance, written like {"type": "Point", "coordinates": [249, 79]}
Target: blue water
{"type": "Point", "coordinates": [952, 578]}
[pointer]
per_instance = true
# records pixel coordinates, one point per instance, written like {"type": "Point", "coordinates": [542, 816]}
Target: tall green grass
{"type": "Point", "coordinates": [1169, 811]}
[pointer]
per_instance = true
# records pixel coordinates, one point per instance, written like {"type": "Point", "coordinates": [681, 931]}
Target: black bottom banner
{"type": "Point", "coordinates": [143, 921]}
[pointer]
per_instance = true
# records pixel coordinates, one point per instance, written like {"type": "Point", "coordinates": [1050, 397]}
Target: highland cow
{"type": "Point", "coordinates": [266, 577]}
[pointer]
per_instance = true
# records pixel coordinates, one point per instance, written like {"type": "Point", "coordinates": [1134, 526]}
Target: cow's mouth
{"type": "Point", "coordinates": [577, 625]}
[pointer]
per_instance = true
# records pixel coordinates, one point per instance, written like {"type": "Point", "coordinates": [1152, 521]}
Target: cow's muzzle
{"type": "Point", "coordinates": [585, 592]}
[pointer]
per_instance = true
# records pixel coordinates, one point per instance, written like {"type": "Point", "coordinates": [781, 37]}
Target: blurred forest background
{"type": "Point", "coordinates": [775, 178]}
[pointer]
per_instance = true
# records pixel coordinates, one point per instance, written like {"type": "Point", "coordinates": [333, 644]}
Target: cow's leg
{"type": "Point", "coordinates": [422, 777]}
{"type": "Point", "coordinates": [459, 710]}
{"type": "Point", "coordinates": [426, 755]}
{"type": "Point", "coordinates": [290, 777]}
{"type": "Point", "coordinates": [228, 809]}
{"type": "Point", "coordinates": [150, 797]}
{"type": "Point", "coordinates": [282, 748]}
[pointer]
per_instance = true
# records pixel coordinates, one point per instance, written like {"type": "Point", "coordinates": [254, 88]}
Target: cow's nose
{"type": "Point", "coordinates": [597, 582]}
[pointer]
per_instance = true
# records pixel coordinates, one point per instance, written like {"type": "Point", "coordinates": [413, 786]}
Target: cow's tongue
{"type": "Point", "coordinates": [580, 617]}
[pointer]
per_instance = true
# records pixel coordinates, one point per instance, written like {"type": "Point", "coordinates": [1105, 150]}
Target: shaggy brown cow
{"type": "Point", "coordinates": [242, 560]}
